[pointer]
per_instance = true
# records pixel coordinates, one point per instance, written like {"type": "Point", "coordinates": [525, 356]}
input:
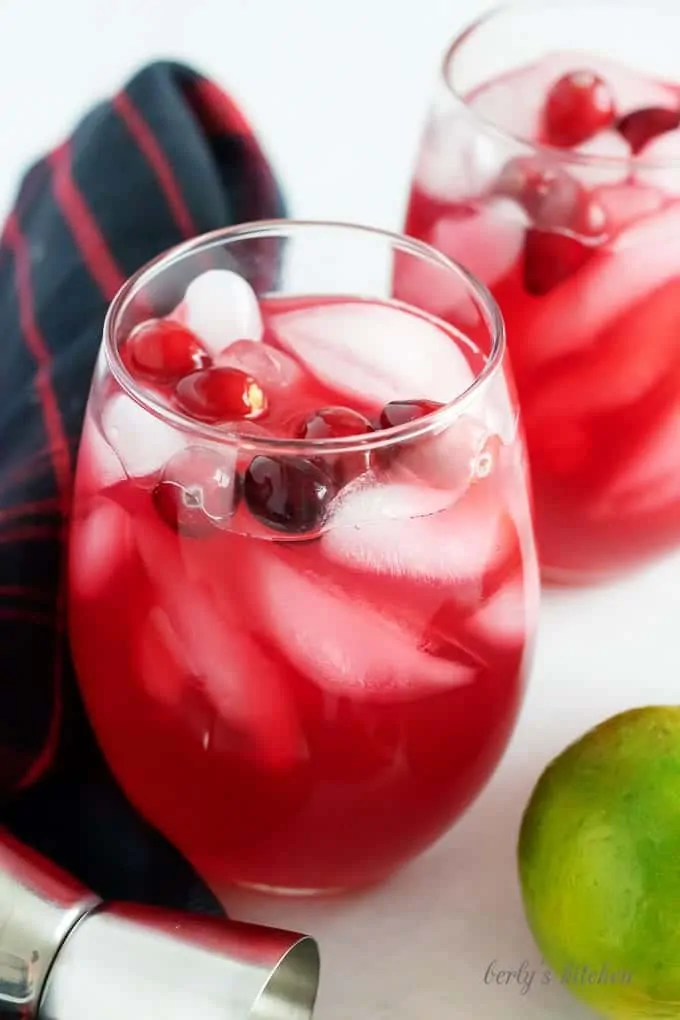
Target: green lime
{"type": "Point", "coordinates": [599, 865]}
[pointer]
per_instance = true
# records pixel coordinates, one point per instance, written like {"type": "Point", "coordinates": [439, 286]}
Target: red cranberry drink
{"type": "Point", "coordinates": [557, 182]}
{"type": "Point", "coordinates": [303, 582]}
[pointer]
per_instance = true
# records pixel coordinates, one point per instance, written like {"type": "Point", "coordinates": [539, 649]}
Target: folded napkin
{"type": "Point", "coordinates": [169, 157]}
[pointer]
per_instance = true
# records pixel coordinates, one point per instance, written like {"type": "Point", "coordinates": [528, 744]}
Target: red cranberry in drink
{"type": "Point", "coordinates": [337, 423]}
{"type": "Point", "coordinates": [164, 351]}
{"type": "Point", "coordinates": [289, 495]}
{"type": "Point", "coordinates": [333, 423]}
{"type": "Point", "coordinates": [549, 259]}
{"type": "Point", "coordinates": [566, 221]}
{"type": "Point", "coordinates": [221, 395]}
{"type": "Point", "coordinates": [577, 106]}
{"type": "Point", "coordinates": [399, 412]}
{"type": "Point", "coordinates": [552, 256]}
{"type": "Point", "coordinates": [199, 489]}
{"type": "Point", "coordinates": [549, 195]}
{"type": "Point", "coordinates": [640, 126]}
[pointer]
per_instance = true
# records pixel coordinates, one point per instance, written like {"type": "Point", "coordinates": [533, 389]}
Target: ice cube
{"type": "Point", "coordinates": [239, 679]}
{"type": "Point", "coordinates": [449, 459]}
{"type": "Point", "coordinates": [624, 204]}
{"type": "Point", "coordinates": [406, 531]}
{"type": "Point", "coordinates": [343, 645]}
{"type": "Point", "coordinates": [648, 479]}
{"type": "Point", "coordinates": [375, 353]}
{"type": "Point", "coordinates": [220, 307]}
{"type": "Point", "coordinates": [664, 151]}
{"type": "Point", "coordinates": [100, 546]}
{"type": "Point", "coordinates": [272, 369]}
{"type": "Point", "coordinates": [503, 619]}
{"type": "Point", "coordinates": [142, 442]}
{"type": "Point", "coordinates": [618, 276]}
{"type": "Point", "coordinates": [488, 243]}
{"type": "Point", "coordinates": [621, 366]}
{"type": "Point", "coordinates": [98, 464]}
{"type": "Point", "coordinates": [497, 406]}
{"type": "Point", "coordinates": [161, 659]}
{"type": "Point", "coordinates": [612, 160]}
{"type": "Point", "coordinates": [457, 160]}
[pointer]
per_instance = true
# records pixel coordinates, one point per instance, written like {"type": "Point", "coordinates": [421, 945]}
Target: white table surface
{"type": "Point", "coordinates": [337, 90]}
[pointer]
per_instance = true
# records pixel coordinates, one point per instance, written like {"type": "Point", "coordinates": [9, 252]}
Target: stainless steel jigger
{"type": "Point", "coordinates": [65, 955]}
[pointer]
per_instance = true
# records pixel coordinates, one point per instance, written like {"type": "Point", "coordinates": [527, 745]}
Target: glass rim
{"type": "Point", "coordinates": [440, 418]}
{"type": "Point", "coordinates": [568, 157]}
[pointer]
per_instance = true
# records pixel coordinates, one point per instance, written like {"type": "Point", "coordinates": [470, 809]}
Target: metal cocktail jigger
{"type": "Point", "coordinates": [66, 955]}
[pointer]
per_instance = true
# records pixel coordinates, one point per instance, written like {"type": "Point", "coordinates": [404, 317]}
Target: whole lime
{"type": "Point", "coordinates": [599, 865]}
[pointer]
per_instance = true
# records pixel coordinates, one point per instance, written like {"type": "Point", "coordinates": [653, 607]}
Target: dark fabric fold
{"type": "Point", "coordinates": [168, 157]}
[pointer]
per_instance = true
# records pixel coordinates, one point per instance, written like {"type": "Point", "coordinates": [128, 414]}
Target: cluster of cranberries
{"type": "Point", "coordinates": [567, 222]}
{"type": "Point", "coordinates": [200, 489]}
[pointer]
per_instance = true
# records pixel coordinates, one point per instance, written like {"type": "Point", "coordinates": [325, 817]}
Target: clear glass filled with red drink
{"type": "Point", "coordinates": [303, 585]}
{"type": "Point", "coordinates": [550, 166]}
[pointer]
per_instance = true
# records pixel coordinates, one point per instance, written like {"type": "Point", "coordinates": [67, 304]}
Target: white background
{"type": "Point", "coordinates": [337, 90]}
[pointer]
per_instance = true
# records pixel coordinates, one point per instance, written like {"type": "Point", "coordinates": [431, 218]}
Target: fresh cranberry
{"type": "Point", "coordinates": [577, 106]}
{"type": "Point", "coordinates": [338, 423]}
{"type": "Point", "coordinates": [289, 495]}
{"type": "Point", "coordinates": [549, 195]}
{"type": "Point", "coordinates": [164, 350]}
{"type": "Point", "coordinates": [640, 126]}
{"type": "Point", "coordinates": [553, 255]}
{"type": "Point", "coordinates": [333, 423]}
{"type": "Point", "coordinates": [198, 490]}
{"type": "Point", "coordinates": [549, 259]}
{"type": "Point", "coordinates": [399, 412]}
{"type": "Point", "coordinates": [221, 394]}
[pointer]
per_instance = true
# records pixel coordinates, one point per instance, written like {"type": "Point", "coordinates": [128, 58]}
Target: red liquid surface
{"type": "Point", "coordinates": [591, 301]}
{"type": "Point", "coordinates": [305, 712]}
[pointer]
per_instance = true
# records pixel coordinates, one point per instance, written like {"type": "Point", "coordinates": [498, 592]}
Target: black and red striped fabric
{"type": "Point", "coordinates": [169, 157]}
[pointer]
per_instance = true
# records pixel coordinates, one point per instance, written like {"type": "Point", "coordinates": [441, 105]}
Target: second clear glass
{"type": "Point", "coordinates": [551, 169]}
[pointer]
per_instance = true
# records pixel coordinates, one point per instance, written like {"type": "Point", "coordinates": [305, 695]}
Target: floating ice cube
{"type": "Point", "coordinates": [457, 160]}
{"type": "Point", "coordinates": [488, 243]}
{"type": "Point", "coordinates": [344, 645]}
{"type": "Point", "coordinates": [142, 442]}
{"type": "Point", "coordinates": [220, 307]}
{"type": "Point", "coordinates": [615, 155]}
{"type": "Point", "coordinates": [405, 531]}
{"type": "Point", "coordinates": [663, 150]}
{"type": "Point", "coordinates": [618, 276]}
{"type": "Point", "coordinates": [273, 369]}
{"type": "Point", "coordinates": [450, 459]}
{"type": "Point", "coordinates": [375, 353]}
{"type": "Point", "coordinates": [100, 547]}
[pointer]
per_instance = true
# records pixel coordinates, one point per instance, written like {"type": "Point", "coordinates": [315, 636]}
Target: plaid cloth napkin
{"type": "Point", "coordinates": [167, 158]}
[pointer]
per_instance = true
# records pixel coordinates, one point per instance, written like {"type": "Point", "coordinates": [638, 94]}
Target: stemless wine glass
{"type": "Point", "coordinates": [303, 584]}
{"type": "Point", "coordinates": [550, 166]}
